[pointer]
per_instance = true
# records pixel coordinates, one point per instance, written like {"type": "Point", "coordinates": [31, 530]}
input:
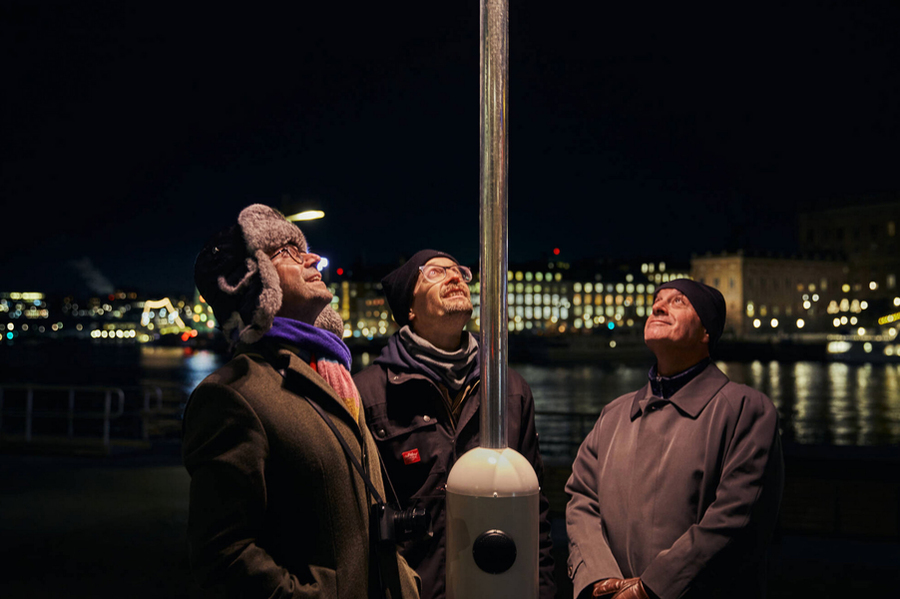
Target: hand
{"type": "Point", "coordinates": [632, 589]}
{"type": "Point", "coordinates": [610, 586]}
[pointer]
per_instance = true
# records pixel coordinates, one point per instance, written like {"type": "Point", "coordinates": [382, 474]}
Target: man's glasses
{"type": "Point", "coordinates": [435, 274]}
{"type": "Point", "coordinates": [294, 252]}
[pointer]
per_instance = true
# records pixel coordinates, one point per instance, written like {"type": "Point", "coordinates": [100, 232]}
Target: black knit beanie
{"type": "Point", "coordinates": [400, 283]}
{"type": "Point", "coordinates": [707, 302]}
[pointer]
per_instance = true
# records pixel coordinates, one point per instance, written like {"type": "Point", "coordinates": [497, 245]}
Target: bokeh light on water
{"type": "Point", "coordinates": [819, 403]}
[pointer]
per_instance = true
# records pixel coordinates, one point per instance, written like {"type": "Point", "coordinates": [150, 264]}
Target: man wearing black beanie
{"type": "Point", "coordinates": [675, 492]}
{"type": "Point", "coordinates": [421, 399]}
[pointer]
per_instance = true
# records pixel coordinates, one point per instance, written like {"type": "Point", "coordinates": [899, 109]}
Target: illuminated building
{"type": "Point", "coordinates": [770, 294]}
{"type": "Point", "coordinates": [543, 298]}
{"type": "Point", "coordinates": [865, 236]}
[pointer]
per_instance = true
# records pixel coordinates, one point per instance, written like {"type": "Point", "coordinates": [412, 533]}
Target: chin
{"type": "Point", "coordinates": [458, 307]}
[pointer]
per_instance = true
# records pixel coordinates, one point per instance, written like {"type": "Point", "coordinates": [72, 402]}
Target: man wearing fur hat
{"type": "Point", "coordinates": [675, 492]}
{"type": "Point", "coordinates": [283, 469]}
{"type": "Point", "coordinates": [421, 399]}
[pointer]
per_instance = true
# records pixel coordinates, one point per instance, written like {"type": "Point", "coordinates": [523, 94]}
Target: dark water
{"type": "Point", "coordinates": [819, 402]}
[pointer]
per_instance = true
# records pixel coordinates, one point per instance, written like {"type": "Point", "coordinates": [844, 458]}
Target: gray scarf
{"type": "Point", "coordinates": [453, 367]}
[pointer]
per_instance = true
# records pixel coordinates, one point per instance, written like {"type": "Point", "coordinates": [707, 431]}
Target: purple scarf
{"type": "Point", "coordinates": [326, 353]}
{"type": "Point", "coordinates": [310, 340]}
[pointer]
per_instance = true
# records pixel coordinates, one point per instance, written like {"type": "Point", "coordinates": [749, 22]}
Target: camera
{"type": "Point", "coordinates": [392, 526]}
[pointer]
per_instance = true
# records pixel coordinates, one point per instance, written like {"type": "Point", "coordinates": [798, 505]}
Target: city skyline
{"type": "Point", "coordinates": [134, 134]}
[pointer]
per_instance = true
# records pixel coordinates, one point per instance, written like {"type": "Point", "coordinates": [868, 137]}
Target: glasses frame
{"type": "Point", "coordinates": [465, 273]}
{"type": "Point", "coordinates": [290, 249]}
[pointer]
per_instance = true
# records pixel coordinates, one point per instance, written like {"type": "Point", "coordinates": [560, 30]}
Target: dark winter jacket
{"type": "Point", "coordinates": [277, 509]}
{"type": "Point", "coordinates": [414, 431]}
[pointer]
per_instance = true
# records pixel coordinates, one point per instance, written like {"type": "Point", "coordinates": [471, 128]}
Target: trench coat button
{"type": "Point", "coordinates": [426, 418]}
{"type": "Point", "coordinates": [381, 432]}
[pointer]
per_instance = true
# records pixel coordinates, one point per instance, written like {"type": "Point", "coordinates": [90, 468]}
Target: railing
{"type": "Point", "coordinates": [52, 409]}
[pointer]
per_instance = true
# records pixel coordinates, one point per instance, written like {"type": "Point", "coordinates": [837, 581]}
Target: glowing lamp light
{"type": "Point", "coordinates": [323, 263]}
{"type": "Point", "coordinates": [774, 323]}
{"type": "Point", "coordinates": [897, 301]}
{"type": "Point", "coordinates": [556, 251]}
{"type": "Point", "coordinates": [340, 271]}
{"type": "Point", "coordinates": [611, 326]}
{"type": "Point", "coordinates": [306, 215]}
{"type": "Point", "coordinates": [861, 331]}
{"type": "Point", "coordinates": [757, 323]}
{"type": "Point", "coordinates": [800, 323]}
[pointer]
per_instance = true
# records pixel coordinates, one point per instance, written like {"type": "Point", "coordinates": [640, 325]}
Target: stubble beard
{"type": "Point", "coordinates": [457, 306]}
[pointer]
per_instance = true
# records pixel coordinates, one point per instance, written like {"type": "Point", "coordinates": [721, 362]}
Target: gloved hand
{"type": "Point", "coordinates": [632, 589]}
{"type": "Point", "coordinates": [610, 586]}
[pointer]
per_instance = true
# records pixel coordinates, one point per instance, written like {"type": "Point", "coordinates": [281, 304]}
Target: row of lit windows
{"type": "Point", "coordinates": [533, 276]}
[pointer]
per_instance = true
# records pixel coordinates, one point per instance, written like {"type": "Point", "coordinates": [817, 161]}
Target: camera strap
{"type": "Point", "coordinates": [347, 450]}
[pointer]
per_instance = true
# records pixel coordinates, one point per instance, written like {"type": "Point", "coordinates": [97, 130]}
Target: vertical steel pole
{"type": "Point", "coordinates": [493, 311]}
{"type": "Point", "coordinates": [493, 493]}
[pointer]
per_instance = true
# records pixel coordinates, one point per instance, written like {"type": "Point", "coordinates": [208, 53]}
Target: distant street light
{"type": "Point", "coordinates": [306, 215]}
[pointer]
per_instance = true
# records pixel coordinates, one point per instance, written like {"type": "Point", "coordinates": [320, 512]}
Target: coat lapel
{"type": "Point", "coordinates": [299, 373]}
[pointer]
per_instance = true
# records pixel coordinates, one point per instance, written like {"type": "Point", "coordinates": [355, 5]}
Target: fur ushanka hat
{"type": "Point", "coordinates": [235, 276]}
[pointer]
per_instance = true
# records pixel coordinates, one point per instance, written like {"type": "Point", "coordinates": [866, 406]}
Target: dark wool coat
{"type": "Point", "coordinates": [408, 416]}
{"type": "Point", "coordinates": [276, 507]}
{"type": "Point", "coordinates": [683, 493]}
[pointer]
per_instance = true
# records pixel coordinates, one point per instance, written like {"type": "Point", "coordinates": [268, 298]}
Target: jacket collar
{"type": "Point", "coordinates": [690, 399]}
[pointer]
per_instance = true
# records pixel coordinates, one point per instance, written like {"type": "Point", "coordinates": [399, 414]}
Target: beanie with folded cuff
{"type": "Point", "coordinates": [708, 303]}
{"type": "Point", "coordinates": [399, 284]}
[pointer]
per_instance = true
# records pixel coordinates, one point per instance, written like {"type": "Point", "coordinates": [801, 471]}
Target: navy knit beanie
{"type": "Point", "coordinates": [707, 302]}
{"type": "Point", "coordinates": [399, 284]}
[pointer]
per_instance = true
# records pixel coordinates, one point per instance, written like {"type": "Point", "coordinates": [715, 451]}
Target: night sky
{"type": "Point", "coordinates": [132, 132]}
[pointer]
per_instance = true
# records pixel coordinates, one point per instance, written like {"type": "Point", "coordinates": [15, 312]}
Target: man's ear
{"type": "Point", "coordinates": [412, 315]}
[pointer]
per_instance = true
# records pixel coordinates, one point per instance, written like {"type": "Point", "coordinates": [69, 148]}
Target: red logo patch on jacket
{"type": "Point", "coordinates": [411, 456]}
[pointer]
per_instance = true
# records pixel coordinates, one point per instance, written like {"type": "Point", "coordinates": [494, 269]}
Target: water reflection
{"type": "Point", "coordinates": [818, 403]}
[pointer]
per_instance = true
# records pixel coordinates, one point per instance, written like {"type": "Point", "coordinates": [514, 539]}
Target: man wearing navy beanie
{"type": "Point", "coordinates": [421, 399]}
{"type": "Point", "coordinates": [675, 492]}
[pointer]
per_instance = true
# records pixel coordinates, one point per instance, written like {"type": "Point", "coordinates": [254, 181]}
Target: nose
{"type": "Point", "coordinates": [310, 259]}
{"type": "Point", "coordinates": [453, 274]}
{"type": "Point", "coordinates": [659, 307]}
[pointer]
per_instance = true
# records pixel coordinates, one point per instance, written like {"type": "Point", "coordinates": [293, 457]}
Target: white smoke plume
{"type": "Point", "coordinates": [92, 277]}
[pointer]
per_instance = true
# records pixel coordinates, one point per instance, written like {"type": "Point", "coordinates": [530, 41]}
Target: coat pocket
{"type": "Point", "coordinates": [390, 431]}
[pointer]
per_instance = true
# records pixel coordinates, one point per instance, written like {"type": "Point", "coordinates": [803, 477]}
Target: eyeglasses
{"type": "Point", "coordinates": [435, 274]}
{"type": "Point", "coordinates": [294, 252]}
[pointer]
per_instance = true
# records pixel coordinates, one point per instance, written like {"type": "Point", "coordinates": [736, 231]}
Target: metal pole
{"type": "Point", "coordinates": [493, 311]}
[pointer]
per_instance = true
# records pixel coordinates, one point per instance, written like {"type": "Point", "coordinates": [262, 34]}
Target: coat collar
{"type": "Point", "coordinates": [690, 399]}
